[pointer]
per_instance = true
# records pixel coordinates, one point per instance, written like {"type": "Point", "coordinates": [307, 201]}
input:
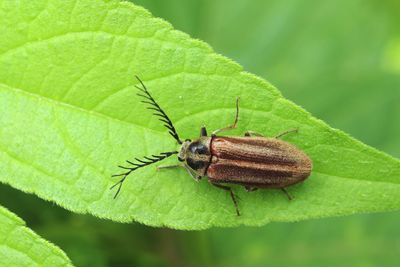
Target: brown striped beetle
{"type": "Point", "coordinates": [253, 161]}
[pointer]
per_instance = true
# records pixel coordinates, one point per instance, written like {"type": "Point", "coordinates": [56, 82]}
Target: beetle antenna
{"type": "Point", "coordinates": [139, 163]}
{"type": "Point", "coordinates": [157, 110]}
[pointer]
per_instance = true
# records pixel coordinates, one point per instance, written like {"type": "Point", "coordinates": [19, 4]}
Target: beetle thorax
{"type": "Point", "coordinates": [196, 154]}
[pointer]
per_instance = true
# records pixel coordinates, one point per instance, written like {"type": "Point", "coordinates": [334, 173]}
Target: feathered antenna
{"type": "Point", "coordinates": [139, 164]}
{"type": "Point", "coordinates": [153, 158]}
{"type": "Point", "coordinates": [158, 111]}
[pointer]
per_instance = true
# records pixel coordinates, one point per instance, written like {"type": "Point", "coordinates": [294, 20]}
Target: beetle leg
{"type": "Point", "coordinates": [230, 127]}
{"type": "Point", "coordinates": [287, 194]}
{"type": "Point", "coordinates": [252, 133]}
{"type": "Point", "coordinates": [169, 166]}
{"type": "Point", "coordinates": [250, 188]}
{"type": "Point", "coordinates": [194, 176]}
{"type": "Point", "coordinates": [197, 178]}
{"type": "Point", "coordinates": [203, 131]}
{"type": "Point", "coordinates": [295, 130]}
{"type": "Point", "coordinates": [227, 188]}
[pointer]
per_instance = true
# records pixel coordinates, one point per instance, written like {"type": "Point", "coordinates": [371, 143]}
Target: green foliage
{"type": "Point", "coordinates": [338, 60]}
{"type": "Point", "coordinates": [70, 116]}
{"type": "Point", "coordinates": [19, 246]}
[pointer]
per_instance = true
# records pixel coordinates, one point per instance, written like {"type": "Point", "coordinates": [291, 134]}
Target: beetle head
{"type": "Point", "coordinates": [196, 154]}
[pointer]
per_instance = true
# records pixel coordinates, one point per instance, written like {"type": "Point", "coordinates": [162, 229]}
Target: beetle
{"type": "Point", "coordinates": [253, 161]}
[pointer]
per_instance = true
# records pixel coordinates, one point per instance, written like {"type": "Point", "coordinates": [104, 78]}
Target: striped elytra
{"type": "Point", "coordinates": [257, 162]}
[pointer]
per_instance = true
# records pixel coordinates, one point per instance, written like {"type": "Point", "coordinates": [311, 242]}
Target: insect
{"type": "Point", "coordinates": [253, 161]}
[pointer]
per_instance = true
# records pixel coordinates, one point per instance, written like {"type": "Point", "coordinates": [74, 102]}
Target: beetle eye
{"type": "Point", "coordinates": [198, 148]}
{"type": "Point", "coordinates": [196, 164]}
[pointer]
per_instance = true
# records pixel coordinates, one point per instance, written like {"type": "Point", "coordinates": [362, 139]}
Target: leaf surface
{"type": "Point", "coordinates": [70, 115]}
{"type": "Point", "coordinates": [20, 246]}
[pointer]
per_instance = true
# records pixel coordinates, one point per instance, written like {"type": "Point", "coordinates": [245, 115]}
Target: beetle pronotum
{"type": "Point", "coordinates": [253, 161]}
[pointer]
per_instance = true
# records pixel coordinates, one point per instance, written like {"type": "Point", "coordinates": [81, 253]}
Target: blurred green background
{"type": "Point", "coordinates": [340, 60]}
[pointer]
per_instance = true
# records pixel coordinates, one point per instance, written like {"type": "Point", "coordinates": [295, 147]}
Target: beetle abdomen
{"type": "Point", "coordinates": [257, 161]}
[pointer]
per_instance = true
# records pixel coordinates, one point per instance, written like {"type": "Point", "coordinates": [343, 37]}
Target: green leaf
{"type": "Point", "coordinates": [70, 115]}
{"type": "Point", "coordinates": [20, 246]}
